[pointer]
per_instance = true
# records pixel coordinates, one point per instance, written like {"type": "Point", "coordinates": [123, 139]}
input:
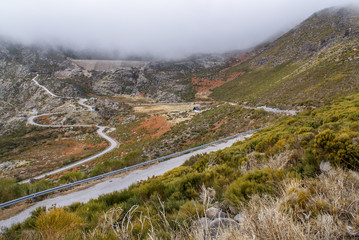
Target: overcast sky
{"type": "Point", "coordinates": [167, 28]}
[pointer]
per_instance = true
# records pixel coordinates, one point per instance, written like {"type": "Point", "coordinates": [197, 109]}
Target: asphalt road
{"type": "Point", "coordinates": [115, 184]}
{"type": "Point", "coordinates": [100, 132]}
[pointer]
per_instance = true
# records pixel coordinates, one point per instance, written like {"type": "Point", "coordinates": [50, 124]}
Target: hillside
{"type": "Point", "coordinates": [277, 184]}
{"type": "Point", "coordinates": [165, 81]}
{"type": "Point", "coordinates": [310, 65]}
{"type": "Point", "coordinates": [295, 179]}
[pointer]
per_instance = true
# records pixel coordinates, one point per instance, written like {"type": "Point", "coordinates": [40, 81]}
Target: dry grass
{"type": "Point", "coordinates": [155, 126]}
{"type": "Point", "coordinates": [39, 154]}
{"type": "Point", "coordinates": [163, 108]}
{"type": "Point", "coordinates": [175, 112]}
{"type": "Point", "coordinates": [282, 160]}
{"type": "Point", "coordinates": [125, 98]}
{"type": "Point", "coordinates": [323, 208]}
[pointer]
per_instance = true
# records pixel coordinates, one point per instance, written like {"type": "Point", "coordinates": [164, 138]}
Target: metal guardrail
{"type": "Point", "coordinates": [70, 185]}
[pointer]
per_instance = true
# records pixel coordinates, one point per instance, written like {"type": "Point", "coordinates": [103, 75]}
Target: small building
{"type": "Point", "coordinates": [196, 109]}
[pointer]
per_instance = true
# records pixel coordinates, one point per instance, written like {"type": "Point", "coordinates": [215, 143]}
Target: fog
{"type": "Point", "coordinates": [162, 28]}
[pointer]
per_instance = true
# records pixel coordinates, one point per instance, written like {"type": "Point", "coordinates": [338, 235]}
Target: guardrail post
{"type": "Point", "coordinates": [32, 200]}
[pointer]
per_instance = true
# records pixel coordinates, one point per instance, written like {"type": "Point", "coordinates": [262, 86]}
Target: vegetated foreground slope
{"type": "Point", "coordinates": [310, 65]}
{"type": "Point", "coordinates": [139, 143]}
{"type": "Point", "coordinates": [278, 181]}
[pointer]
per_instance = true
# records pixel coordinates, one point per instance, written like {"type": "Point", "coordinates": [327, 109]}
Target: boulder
{"type": "Point", "coordinates": [202, 223]}
{"type": "Point", "coordinates": [325, 167]}
{"type": "Point", "coordinates": [223, 223]}
{"type": "Point", "coordinates": [213, 213]}
{"type": "Point", "coordinates": [239, 217]}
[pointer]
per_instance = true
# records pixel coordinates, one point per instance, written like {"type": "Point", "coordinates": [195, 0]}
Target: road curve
{"type": "Point", "coordinates": [115, 183]}
{"type": "Point", "coordinates": [100, 132]}
{"type": "Point", "coordinates": [43, 87]}
{"type": "Point", "coordinates": [268, 109]}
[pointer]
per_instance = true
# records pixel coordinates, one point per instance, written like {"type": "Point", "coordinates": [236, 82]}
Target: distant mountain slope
{"type": "Point", "coordinates": [313, 63]}
{"type": "Point", "coordinates": [167, 81]}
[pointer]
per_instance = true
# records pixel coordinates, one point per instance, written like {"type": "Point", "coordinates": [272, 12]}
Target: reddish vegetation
{"type": "Point", "coordinates": [43, 120]}
{"type": "Point", "coordinates": [123, 154]}
{"type": "Point", "coordinates": [203, 86]}
{"type": "Point", "coordinates": [225, 69]}
{"type": "Point", "coordinates": [189, 142]}
{"type": "Point", "coordinates": [220, 123]}
{"type": "Point", "coordinates": [51, 154]}
{"type": "Point", "coordinates": [240, 58]}
{"type": "Point", "coordinates": [78, 148]}
{"type": "Point", "coordinates": [155, 126]}
{"type": "Point", "coordinates": [75, 148]}
{"type": "Point", "coordinates": [234, 75]}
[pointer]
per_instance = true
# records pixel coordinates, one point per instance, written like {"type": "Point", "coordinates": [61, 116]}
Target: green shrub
{"type": "Point", "coordinates": [339, 149]}
{"type": "Point", "coordinates": [59, 224]}
{"type": "Point", "coordinates": [72, 177]}
{"type": "Point", "coordinates": [253, 182]}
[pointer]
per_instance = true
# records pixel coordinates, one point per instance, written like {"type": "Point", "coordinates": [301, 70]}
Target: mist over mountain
{"type": "Point", "coordinates": [97, 99]}
{"type": "Point", "coordinates": [167, 29]}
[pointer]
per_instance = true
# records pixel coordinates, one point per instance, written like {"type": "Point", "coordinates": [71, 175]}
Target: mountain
{"type": "Point", "coordinates": [312, 64]}
{"type": "Point", "coordinates": [296, 177]}
{"type": "Point", "coordinates": [166, 81]}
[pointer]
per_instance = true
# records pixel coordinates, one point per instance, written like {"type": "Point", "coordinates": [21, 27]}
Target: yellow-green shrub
{"type": "Point", "coordinates": [59, 224]}
{"type": "Point", "coordinates": [253, 182]}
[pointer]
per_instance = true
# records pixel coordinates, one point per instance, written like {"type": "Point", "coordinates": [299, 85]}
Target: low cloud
{"type": "Point", "coordinates": [161, 28]}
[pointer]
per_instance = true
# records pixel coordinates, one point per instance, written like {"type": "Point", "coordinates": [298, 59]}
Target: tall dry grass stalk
{"type": "Point", "coordinates": [322, 208]}
{"type": "Point", "coordinates": [326, 207]}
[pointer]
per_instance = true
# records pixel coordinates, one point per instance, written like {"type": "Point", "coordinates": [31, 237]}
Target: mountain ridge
{"type": "Point", "coordinates": [298, 177]}
{"type": "Point", "coordinates": [294, 69]}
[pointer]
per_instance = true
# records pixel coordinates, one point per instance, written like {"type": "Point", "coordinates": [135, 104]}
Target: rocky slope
{"type": "Point", "coordinates": [315, 62]}
{"type": "Point", "coordinates": [297, 177]}
{"type": "Point", "coordinates": [168, 81]}
{"type": "Point", "coordinates": [18, 95]}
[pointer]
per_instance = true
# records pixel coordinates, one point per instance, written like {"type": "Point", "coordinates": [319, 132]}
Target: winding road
{"type": "Point", "coordinates": [115, 183]}
{"type": "Point", "coordinates": [100, 132]}
{"type": "Point", "coordinates": [268, 109]}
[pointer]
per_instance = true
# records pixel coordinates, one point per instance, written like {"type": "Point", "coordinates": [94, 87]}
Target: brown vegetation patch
{"type": "Point", "coordinates": [174, 112]}
{"type": "Point", "coordinates": [240, 58]}
{"type": "Point", "coordinates": [163, 108]}
{"type": "Point", "coordinates": [218, 124]}
{"type": "Point", "coordinates": [125, 98]}
{"type": "Point", "coordinates": [234, 75]}
{"type": "Point", "coordinates": [80, 148]}
{"type": "Point", "coordinates": [43, 120]}
{"type": "Point", "coordinates": [204, 86]}
{"type": "Point", "coordinates": [155, 126]}
{"type": "Point", "coordinates": [50, 154]}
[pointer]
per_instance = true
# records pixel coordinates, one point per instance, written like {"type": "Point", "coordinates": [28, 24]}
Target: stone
{"type": "Point", "coordinates": [239, 217]}
{"type": "Point", "coordinates": [325, 167]}
{"type": "Point", "coordinates": [213, 213]}
{"type": "Point", "coordinates": [202, 223]}
{"type": "Point", "coordinates": [223, 223]}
